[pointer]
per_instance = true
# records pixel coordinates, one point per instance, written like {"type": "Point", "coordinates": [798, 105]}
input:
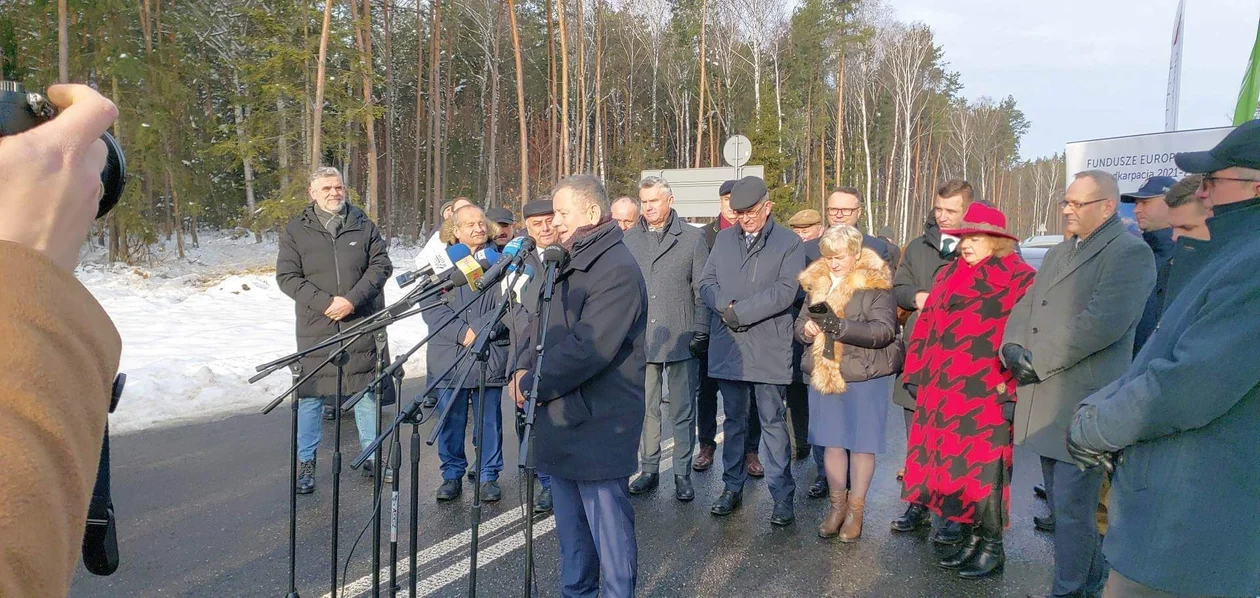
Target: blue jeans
{"type": "Point", "coordinates": [451, 438]}
{"type": "Point", "coordinates": [310, 424]}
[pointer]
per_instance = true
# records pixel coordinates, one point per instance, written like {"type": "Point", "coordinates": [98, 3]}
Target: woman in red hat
{"type": "Point", "coordinates": [959, 456]}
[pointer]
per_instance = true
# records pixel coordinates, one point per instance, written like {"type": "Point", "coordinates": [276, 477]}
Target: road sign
{"type": "Point", "coordinates": [737, 150]}
{"type": "Point", "coordinates": [696, 189]}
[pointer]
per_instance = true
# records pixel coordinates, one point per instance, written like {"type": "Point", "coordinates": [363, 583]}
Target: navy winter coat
{"type": "Point", "coordinates": [761, 280]}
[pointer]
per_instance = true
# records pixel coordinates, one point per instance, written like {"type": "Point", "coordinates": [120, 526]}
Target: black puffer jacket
{"type": "Point", "coordinates": [312, 268]}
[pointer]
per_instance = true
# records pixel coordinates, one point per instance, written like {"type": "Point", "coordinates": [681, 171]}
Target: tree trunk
{"type": "Point", "coordinates": [778, 94]}
{"type": "Point", "coordinates": [520, 102]}
{"type": "Point", "coordinates": [363, 39]}
{"type": "Point", "coordinates": [552, 132]}
{"type": "Point", "coordinates": [316, 153]}
{"type": "Point", "coordinates": [63, 43]}
{"type": "Point", "coordinates": [866, 151]}
{"type": "Point", "coordinates": [598, 151]}
{"type": "Point", "coordinates": [388, 216]}
{"type": "Point", "coordinates": [282, 148]}
{"type": "Point", "coordinates": [565, 148]}
{"type": "Point", "coordinates": [306, 99]}
{"type": "Point", "coordinates": [421, 217]}
{"type": "Point", "coordinates": [583, 122]}
{"type": "Point", "coordinates": [704, 21]}
{"type": "Point", "coordinates": [175, 219]}
{"type": "Point", "coordinates": [432, 187]}
{"type": "Point", "coordinates": [492, 177]}
{"type": "Point", "coordinates": [840, 123]}
{"type": "Point", "coordinates": [238, 114]}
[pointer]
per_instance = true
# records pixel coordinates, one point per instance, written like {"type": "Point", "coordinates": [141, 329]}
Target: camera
{"type": "Point", "coordinates": [21, 111]}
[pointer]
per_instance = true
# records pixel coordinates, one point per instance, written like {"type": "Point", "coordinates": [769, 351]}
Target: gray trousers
{"type": "Point", "coordinates": [1079, 566]}
{"type": "Point", "coordinates": [682, 378]}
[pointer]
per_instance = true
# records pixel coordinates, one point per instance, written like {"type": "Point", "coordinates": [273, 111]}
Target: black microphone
{"type": "Point", "coordinates": [517, 248]}
{"type": "Point", "coordinates": [557, 254]}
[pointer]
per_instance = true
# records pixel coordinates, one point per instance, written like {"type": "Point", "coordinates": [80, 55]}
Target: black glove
{"type": "Point", "coordinates": [1086, 458]}
{"type": "Point", "coordinates": [699, 344]}
{"type": "Point", "coordinates": [1019, 362]}
{"type": "Point", "coordinates": [729, 318]}
{"type": "Point", "coordinates": [829, 322]}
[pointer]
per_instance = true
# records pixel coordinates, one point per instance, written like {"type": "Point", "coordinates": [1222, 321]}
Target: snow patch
{"type": "Point", "coordinates": [193, 329]}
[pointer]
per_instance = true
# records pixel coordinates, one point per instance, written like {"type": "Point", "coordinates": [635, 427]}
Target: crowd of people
{"type": "Point", "coordinates": [1125, 363]}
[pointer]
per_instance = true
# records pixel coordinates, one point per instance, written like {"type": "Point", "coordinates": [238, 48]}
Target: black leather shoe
{"type": "Point", "coordinates": [306, 477]}
{"type": "Point", "coordinates": [329, 412]}
{"type": "Point", "coordinates": [970, 546]}
{"type": "Point", "coordinates": [1039, 491]}
{"type": "Point", "coordinates": [802, 451]}
{"type": "Point", "coordinates": [989, 559]}
{"type": "Point", "coordinates": [646, 482]}
{"type": "Point", "coordinates": [1044, 524]}
{"type": "Point", "coordinates": [472, 475]}
{"type": "Point", "coordinates": [682, 488]}
{"type": "Point", "coordinates": [726, 503]}
{"type": "Point", "coordinates": [820, 488]}
{"type": "Point", "coordinates": [783, 514]}
{"type": "Point", "coordinates": [450, 489]}
{"type": "Point", "coordinates": [950, 534]}
{"type": "Point", "coordinates": [915, 517]}
{"type": "Point", "coordinates": [490, 491]}
{"type": "Point", "coordinates": [542, 504]}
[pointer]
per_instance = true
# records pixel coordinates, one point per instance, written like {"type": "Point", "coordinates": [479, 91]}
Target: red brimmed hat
{"type": "Point", "coordinates": [982, 220]}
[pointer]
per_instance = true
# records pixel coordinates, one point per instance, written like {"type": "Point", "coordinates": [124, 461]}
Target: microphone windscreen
{"type": "Point", "coordinates": [488, 254]}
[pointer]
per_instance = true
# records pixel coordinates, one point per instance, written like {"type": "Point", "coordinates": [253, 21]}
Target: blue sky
{"type": "Point", "coordinates": [1085, 69]}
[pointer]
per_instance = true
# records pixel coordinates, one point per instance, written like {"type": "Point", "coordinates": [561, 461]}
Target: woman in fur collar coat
{"type": "Point", "coordinates": [852, 356]}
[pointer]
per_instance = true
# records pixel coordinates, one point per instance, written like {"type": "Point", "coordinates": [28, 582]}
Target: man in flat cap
{"type": "Point", "coordinates": [749, 286]}
{"type": "Point", "coordinates": [538, 226]}
{"type": "Point", "coordinates": [1184, 417]}
{"type": "Point", "coordinates": [503, 219]}
{"type": "Point", "coordinates": [807, 224]}
{"type": "Point", "coordinates": [1152, 217]}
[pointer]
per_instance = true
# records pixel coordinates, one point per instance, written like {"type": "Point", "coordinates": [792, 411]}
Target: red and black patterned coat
{"type": "Point", "coordinates": [959, 455]}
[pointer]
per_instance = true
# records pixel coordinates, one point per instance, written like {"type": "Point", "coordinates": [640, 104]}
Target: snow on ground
{"type": "Point", "coordinates": [194, 329]}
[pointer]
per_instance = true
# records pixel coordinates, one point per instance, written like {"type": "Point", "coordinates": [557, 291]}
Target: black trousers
{"type": "Point", "coordinates": [706, 413]}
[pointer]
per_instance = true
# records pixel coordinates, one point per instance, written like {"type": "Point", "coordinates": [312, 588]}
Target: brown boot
{"type": "Point", "coordinates": [852, 528]}
{"type": "Point", "coordinates": [839, 507]}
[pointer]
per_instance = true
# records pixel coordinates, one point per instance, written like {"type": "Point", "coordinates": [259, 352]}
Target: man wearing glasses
{"type": "Point", "coordinates": [844, 206]}
{"type": "Point", "coordinates": [1184, 416]}
{"type": "Point", "coordinates": [749, 286]}
{"type": "Point", "coordinates": [1071, 335]}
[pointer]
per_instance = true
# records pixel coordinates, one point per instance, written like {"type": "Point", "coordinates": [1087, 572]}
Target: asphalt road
{"type": "Point", "coordinates": [203, 511]}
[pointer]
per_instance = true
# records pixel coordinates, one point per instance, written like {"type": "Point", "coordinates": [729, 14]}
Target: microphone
{"type": "Point", "coordinates": [556, 254]}
{"type": "Point", "coordinates": [429, 262]}
{"type": "Point", "coordinates": [517, 248]}
{"type": "Point", "coordinates": [518, 286]}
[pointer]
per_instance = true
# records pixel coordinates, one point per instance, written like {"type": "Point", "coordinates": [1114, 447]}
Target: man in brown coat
{"type": "Point", "coordinates": [60, 351]}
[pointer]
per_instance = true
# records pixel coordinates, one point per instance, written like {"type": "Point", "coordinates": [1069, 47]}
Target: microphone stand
{"type": "Point", "coordinates": [293, 467]}
{"type": "Point", "coordinates": [395, 460]}
{"type": "Point", "coordinates": [531, 411]}
{"type": "Point", "coordinates": [340, 358]}
{"type": "Point", "coordinates": [381, 346]}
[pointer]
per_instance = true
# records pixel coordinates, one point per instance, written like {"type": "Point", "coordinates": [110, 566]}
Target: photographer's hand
{"type": "Point", "coordinates": [50, 176]}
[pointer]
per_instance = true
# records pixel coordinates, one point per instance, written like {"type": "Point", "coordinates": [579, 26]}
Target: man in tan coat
{"type": "Point", "coordinates": [60, 350]}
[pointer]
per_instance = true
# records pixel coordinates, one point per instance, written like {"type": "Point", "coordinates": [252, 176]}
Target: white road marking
{"type": "Point", "coordinates": [363, 585]}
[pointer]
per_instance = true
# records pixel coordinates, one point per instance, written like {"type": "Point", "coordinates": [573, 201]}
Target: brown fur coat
{"type": "Point", "coordinates": [869, 272]}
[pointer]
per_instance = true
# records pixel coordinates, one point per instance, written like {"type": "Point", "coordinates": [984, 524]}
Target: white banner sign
{"type": "Point", "coordinates": [1174, 71]}
{"type": "Point", "coordinates": [1134, 159]}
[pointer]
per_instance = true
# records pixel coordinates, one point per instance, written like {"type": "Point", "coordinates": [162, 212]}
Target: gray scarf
{"type": "Point", "coordinates": [331, 220]}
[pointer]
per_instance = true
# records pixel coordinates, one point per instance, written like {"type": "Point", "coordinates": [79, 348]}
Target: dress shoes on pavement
{"type": "Point", "coordinates": [1044, 524]}
{"type": "Point", "coordinates": [753, 463]}
{"type": "Point", "coordinates": [490, 491]}
{"type": "Point", "coordinates": [915, 517]}
{"type": "Point", "coordinates": [450, 489]}
{"type": "Point", "coordinates": [819, 488]}
{"type": "Point", "coordinates": [646, 482]}
{"type": "Point", "coordinates": [682, 488]}
{"type": "Point", "coordinates": [726, 503]}
{"type": "Point", "coordinates": [950, 534]}
{"type": "Point", "coordinates": [783, 514]}
{"type": "Point", "coordinates": [542, 504]}
{"type": "Point", "coordinates": [704, 458]}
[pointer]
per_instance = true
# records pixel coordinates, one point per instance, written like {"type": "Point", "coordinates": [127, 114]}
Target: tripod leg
{"type": "Point", "coordinates": [414, 524]}
{"type": "Point", "coordinates": [336, 480]}
{"type": "Point", "coordinates": [293, 468]}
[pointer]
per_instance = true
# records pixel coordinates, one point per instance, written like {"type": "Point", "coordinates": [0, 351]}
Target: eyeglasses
{"type": "Point", "coordinates": [1077, 205]}
{"type": "Point", "coordinates": [755, 211]}
{"type": "Point", "coordinates": [1209, 180]}
{"type": "Point", "coordinates": [844, 212]}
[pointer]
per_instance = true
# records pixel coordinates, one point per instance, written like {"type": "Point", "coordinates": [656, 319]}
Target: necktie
{"type": "Point", "coordinates": [947, 246]}
{"type": "Point", "coordinates": [749, 240]}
